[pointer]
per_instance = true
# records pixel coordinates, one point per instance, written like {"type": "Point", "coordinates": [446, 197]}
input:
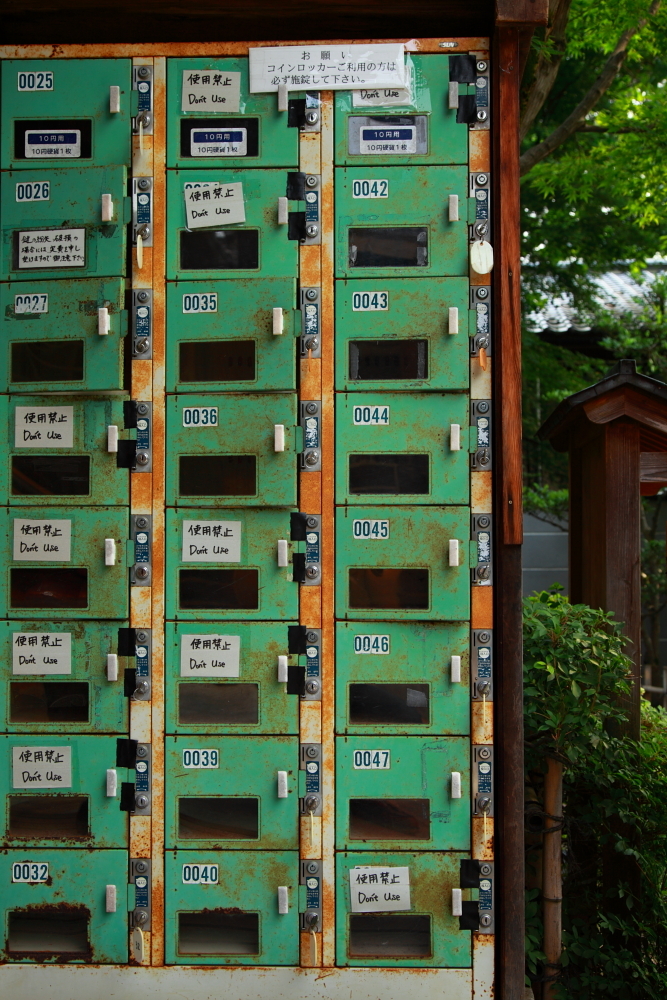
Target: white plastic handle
{"type": "Point", "coordinates": [112, 437]}
{"type": "Point", "coordinates": [109, 551]}
{"type": "Point", "coordinates": [456, 785]}
{"type": "Point", "coordinates": [278, 437]}
{"type": "Point", "coordinates": [455, 437]}
{"type": "Point", "coordinates": [138, 946]}
{"type": "Point", "coordinates": [283, 97]}
{"type": "Point", "coordinates": [140, 252]}
{"type": "Point", "coordinates": [110, 898]}
{"type": "Point", "coordinates": [453, 320]}
{"type": "Point", "coordinates": [278, 322]}
{"type": "Point", "coordinates": [283, 900]}
{"type": "Point", "coordinates": [282, 784]}
{"type": "Point", "coordinates": [454, 94]}
{"type": "Point", "coordinates": [455, 670]}
{"type": "Point", "coordinates": [112, 783]}
{"type": "Point", "coordinates": [112, 667]}
{"type": "Point", "coordinates": [103, 321]}
{"type": "Point", "coordinates": [114, 100]}
{"type": "Point", "coordinates": [457, 902]}
{"type": "Point", "coordinates": [481, 257]}
{"type": "Point", "coordinates": [453, 208]}
{"type": "Point", "coordinates": [282, 553]}
{"type": "Point", "coordinates": [282, 670]}
{"type": "Point", "coordinates": [454, 554]}
{"type": "Point", "coordinates": [283, 211]}
{"type": "Point", "coordinates": [107, 208]}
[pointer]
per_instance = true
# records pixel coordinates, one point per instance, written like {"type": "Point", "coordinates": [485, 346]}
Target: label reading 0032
{"type": "Point", "coordinates": [201, 759]}
{"type": "Point", "coordinates": [370, 301]}
{"type": "Point", "coordinates": [30, 871]}
{"type": "Point", "coordinates": [374, 416]}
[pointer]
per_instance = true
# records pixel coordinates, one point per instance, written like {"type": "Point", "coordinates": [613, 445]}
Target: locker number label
{"type": "Point", "coordinates": [37, 303]}
{"type": "Point", "coordinates": [370, 189]}
{"type": "Point", "coordinates": [42, 767]}
{"type": "Point", "coordinates": [200, 875]}
{"type": "Point", "coordinates": [211, 541]}
{"type": "Point", "coordinates": [204, 302]}
{"type": "Point", "coordinates": [373, 530]}
{"type": "Point", "coordinates": [200, 416]}
{"type": "Point", "coordinates": [372, 760]}
{"type": "Point", "coordinates": [30, 871]}
{"type": "Point", "coordinates": [29, 82]}
{"type": "Point", "coordinates": [33, 191]}
{"type": "Point", "coordinates": [201, 759]}
{"type": "Point", "coordinates": [370, 301]}
{"type": "Point", "coordinates": [371, 644]}
{"type": "Point", "coordinates": [372, 416]}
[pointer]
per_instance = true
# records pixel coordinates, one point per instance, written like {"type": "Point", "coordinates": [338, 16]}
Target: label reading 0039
{"type": "Point", "coordinates": [370, 301]}
{"type": "Point", "coordinates": [200, 874]}
{"type": "Point", "coordinates": [371, 760]}
{"type": "Point", "coordinates": [375, 416]}
{"type": "Point", "coordinates": [30, 82]}
{"type": "Point", "coordinates": [370, 529]}
{"type": "Point", "coordinates": [200, 416]}
{"type": "Point", "coordinates": [30, 871]}
{"type": "Point", "coordinates": [370, 189]}
{"type": "Point", "coordinates": [201, 302]}
{"type": "Point", "coordinates": [201, 759]}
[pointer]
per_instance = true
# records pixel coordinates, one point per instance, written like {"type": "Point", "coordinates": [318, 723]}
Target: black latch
{"type": "Point", "coordinates": [126, 753]}
{"type": "Point", "coordinates": [296, 681]}
{"type": "Point", "coordinates": [296, 112]}
{"type": "Point", "coordinates": [470, 919]}
{"type": "Point", "coordinates": [298, 525]}
{"type": "Point", "coordinates": [299, 567]}
{"type": "Point", "coordinates": [296, 187]}
{"type": "Point", "coordinates": [296, 226]}
{"type": "Point", "coordinates": [470, 873]}
{"type": "Point", "coordinates": [467, 110]}
{"type": "Point", "coordinates": [129, 682]}
{"type": "Point", "coordinates": [462, 69]}
{"type": "Point", "coordinates": [126, 457]}
{"type": "Point", "coordinates": [297, 639]}
{"type": "Point", "coordinates": [127, 642]}
{"type": "Point", "coordinates": [127, 796]}
{"type": "Point", "coordinates": [129, 414]}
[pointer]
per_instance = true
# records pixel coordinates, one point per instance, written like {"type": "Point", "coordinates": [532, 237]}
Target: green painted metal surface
{"type": "Point", "coordinates": [69, 920]}
{"type": "Point", "coordinates": [254, 120]}
{"type": "Point", "coordinates": [55, 680]}
{"type": "Point", "coordinates": [229, 798]}
{"type": "Point", "coordinates": [231, 347]}
{"type": "Point", "coordinates": [393, 333]}
{"type": "Point", "coordinates": [234, 921]}
{"type": "Point", "coordinates": [395, 678]}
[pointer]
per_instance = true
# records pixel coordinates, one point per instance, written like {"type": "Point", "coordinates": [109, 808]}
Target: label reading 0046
{"type": "Point", "coordinates": [371, 644]}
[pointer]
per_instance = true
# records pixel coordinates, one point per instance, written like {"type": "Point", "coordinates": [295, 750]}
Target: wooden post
{"type": "Point", "coordinates": [552, 881]}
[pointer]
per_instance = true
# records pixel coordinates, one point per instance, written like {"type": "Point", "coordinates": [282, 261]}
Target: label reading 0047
{"type": "Point", "coordinates": [371, 760]}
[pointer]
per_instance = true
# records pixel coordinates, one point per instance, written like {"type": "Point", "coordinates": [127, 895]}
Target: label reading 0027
{"type": "Point", "coordinates": [200, 874]}
{"type": "Point", "coordinates": [202, 302]}
{"type": "Point", "coordinates": [370, 301]}
{"type": "Point", "coordinates": [371, 415]}
{"type": "Point", "coordinates": [371, 644]}
{"type": "Point", "coordinates": [201, 759]}
{"type": "Point", "coordinates": [200, 416]}
{"type": "Point", "coordinates": [372, 760]}
{"type": "Point", "coordinates": [30, 871]}
{"type": "Point", "coordinates": [37, 303]}
{"type": "Point", "coordinates": [370, 189]}
{"type": "Point", "coordinates": [370, 529]}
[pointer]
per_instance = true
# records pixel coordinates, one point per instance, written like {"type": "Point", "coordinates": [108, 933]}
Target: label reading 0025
{"type": "Point", "coordinates": [201, 759]}
{"type": "Point", "coordinates": [35, 81]}
{"type": "Point", "coordinates": [372, 415]}
{"type": "Point", "coordinates": [200, 416]}
{"type": "Point", "coordinates": [202, 302]}
{"type": "Point", "coordinates": [370, 301]}
{"type": "Point", "coordinates": [370, 189]}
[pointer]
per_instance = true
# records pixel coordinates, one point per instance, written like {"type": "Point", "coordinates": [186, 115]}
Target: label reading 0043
{"type": "Point", "coordinates": [370, 301]}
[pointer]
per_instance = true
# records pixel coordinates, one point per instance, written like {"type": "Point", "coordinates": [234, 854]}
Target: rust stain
{"type": "Point", "coordinates": [481, 607]}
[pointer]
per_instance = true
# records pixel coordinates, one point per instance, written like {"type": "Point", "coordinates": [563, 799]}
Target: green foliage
{"type": "Point", "coordinates": [641, 335]}
{"type": "Point", "coordinates": [547, 505]}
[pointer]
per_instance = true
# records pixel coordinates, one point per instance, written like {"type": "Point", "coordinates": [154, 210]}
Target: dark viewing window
{"type": "Point", "coordinates": [50, 475]}
{"type": "Point", "coordinates": [209, 589]}
{"type": "Point", "coordinates": [405, 246]}
{"type": "Point", "coordinates": [48, 817]}
{"type": "Point", "coordinates": [219, 249]}
{"type": "Point", "coordinates": [43, 587]}
{"type": "Point", "coordinates": [49, 930]}
{"type": "Point", "coordinates": [393, 474]}
{"type": "Point", "coordinates": [217, 475]}
{"type": "Point", "coordinates": [48, 701]}
{"type": "Point", "coordinates": [217, 361]}
{"type": "Point", "coordinates": [388, 359]}
{"type": "Point", "coordinates": [218, 819]}
{"type": "Point", "coordinates": [390, 935]}
{"type": "Point", "coordinates": [389, 819]}
{"type": "Point", "coordinates": [214, 932]}
{"type": "Point", "coordinates": [47, 361]}
{"type": "Point", "coordinates": [204, 703]}
{"type": "Point", "coordinates": [389, 704]}
{"type": "Point", "coordinates": [389, 588]}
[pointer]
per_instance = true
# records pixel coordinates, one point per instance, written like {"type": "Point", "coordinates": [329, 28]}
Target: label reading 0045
{"type": "Point", "coordinates": [371, 529]}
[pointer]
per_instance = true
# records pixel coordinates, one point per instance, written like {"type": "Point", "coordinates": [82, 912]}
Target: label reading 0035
{"type": "Point", "coordinates": [201, 302]}
{"type": "Point", "coordinates": [370, 189]}
{"type": "Point", "coordinates": [201, 759]}
{"type": "Point", "coordinates": [370, 301]}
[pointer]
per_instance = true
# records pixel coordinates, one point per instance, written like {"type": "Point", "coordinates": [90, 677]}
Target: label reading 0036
{"type": "Point", "coordinates": [200, 874]}
{"type": "Point", "coordinates": [370, 301]}
{"type": "Point", "coordinates": [200, 416]}
{"type": "Point", "coordinates": [201, 759]}
{"type": "Point", "coordinates": [36, 303]}
{"type": "Point", "coordinates": [372, 415]}
{"type": "Point", "coordinates": [201, 302]}
{"type": "Point", "coordinates": [371, 760]}
{"type": "Point", "coordinates": [370, 189]}
{"type": "Point", "coordinates": [371, 644]}
{"type": "Point", "coordinates": [30, 871]}
{"type": "Point", "coordinates": [370, 529]}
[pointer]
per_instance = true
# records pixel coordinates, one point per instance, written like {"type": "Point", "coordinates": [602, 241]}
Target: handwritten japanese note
{"type": "Point", "coordinates": [210, 655]}
{"type": "Point", "coordinates": [42, 541]}
{"type": "Point", "coordinates": [374, 890]}
{"type": "Point", "coordinates": [41, 652]}
{"type": "Point", "coordinates": [52, 248]}
{"type": "Point", "coordinates": [42, 767]}
{"type": "Point", "coordinates": [211, 541]}
{"type": "Point", "coordinates": [210, 90]}
{"type": "Point", "coordinates": [44, 427]}
{"type": "Point", "coordinates": [330, 67]}
{"type": "Point", "coordinates": [212, 204]}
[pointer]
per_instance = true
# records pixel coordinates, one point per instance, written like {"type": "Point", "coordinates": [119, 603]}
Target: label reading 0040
{"type": "Point", "coordinates": [200, 874]}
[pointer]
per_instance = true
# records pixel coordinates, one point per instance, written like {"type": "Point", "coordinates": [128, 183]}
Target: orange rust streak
{"type": "Point", "coordinates": [480, 150]}
{"type": "Point", "coordinates": [311, 491]}
{"type": "Point", "coordinates": [481, 601]}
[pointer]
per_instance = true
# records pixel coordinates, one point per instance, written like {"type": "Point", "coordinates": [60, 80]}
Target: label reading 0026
{"type": "Point", "coordinates": [200, 416]}
{"type": "Point", "coordinates": [200, 874]}
{"type": "Point", "coordinates": [370, 301]}
{"type": "Point", "coordinates": [370, 529]}
{"type": "Point", "coordinates": [202, 302]}
{"type": "Point", "coordinates": [30, 871]}
{"type": "Point", "coordinates": [371, 644]}
{"type": "Point", "coordinates": [33, 191]}
{"type": "Point", "coordinates": [370, 189]}
{"type": "Point", "coordinates": [371, 415]}
{"type": "Point", "coordinates": [201, 759]}
{"type": "Point", "coordinates": [372, 760]}
{"type": "Point", "coordinates": [36, 303]}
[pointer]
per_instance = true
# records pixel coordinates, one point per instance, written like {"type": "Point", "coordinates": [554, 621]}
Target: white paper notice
{"type": "Point", "coordinates": [52, 248]}
{"type": "Point", "coordinates": [386, 97]}
{"type": "Point", "coordinates": [211, 541]}
{"type": "Point", "coordinates": [42, 767]}
{"type": "Point", "coordinates": [213, 204]}
{"type": "Point", "coordinates": [42, 541]}
{"type": "Point", "coordinates": [211, 91]}
{"type": "Point", "coordinates": [374, 890]}
{"type": "Point", "coordinates": [41, 652]}
{"type": "Point", "coordinates": [44, 427]}
{"type": "Point", "coordinates": [330, 67]}
{"type": "Point", "coordinates": [210, 655]}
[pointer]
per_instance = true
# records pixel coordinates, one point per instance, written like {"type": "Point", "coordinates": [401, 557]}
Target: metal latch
{"type": "Point", "coordinates": [481, 665]}
{"type": "Point", "coordinates": [142, 786]}
{"type": "Point", "coordinates": [311, 343]}
{"type": "Point", "coordinates": [310, 876]}
{"type": "Point", "coordinates": [480, 422]}
{"type": "Point", "coordinates": [142, 82]}
{"type": "Point", "coordinates": [141, 536]}
{"type": "Point", "coordinates": [137, 416]}
{"type": "Point", "coordinates": [481, 573]}
{"type": "Point", "coordinates": [136, 642]}
{"type": "Point", "coordinates": [305, 641]}
{"type": "Point", "coordinates": [307, 566]}
{"type": "Point", "coordinates": [304, 226]}
{"type": "Point", "coordinates": [304, 113]}
{"type": "Point", "coordinates": [142, 323]}
{"type": "Point", "coordinates": [310, 761]}
{"type": "Point", "coordinates": [480, 322]}
{"type": "Point", "coordinates": [142, 210]}
{"type": "Point", "coordinates": [140, 878]}
{"type": "Point", "coordinates": [482, 781]}
{"type": "Point", "coordinates": [477, 915]}
{"type": "Point", "coordinates": [310, 419]}
{"type": "Point", "coordinates": [480, 207]}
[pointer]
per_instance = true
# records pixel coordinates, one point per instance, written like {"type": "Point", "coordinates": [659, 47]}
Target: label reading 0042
{"type": "Point", "coordinates": [370, 189]}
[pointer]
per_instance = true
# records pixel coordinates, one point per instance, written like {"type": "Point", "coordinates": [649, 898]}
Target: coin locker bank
{"type": "Point", "coordinates": [249, 662]}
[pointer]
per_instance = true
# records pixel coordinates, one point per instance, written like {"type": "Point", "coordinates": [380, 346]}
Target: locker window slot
{"type": "Point", "coordinates": [214, 932]}
{"type": "Point", "coordinates": [50, 475]}
{"type": "Point", "coordinates": [48, 817]}
{"type": "Point", "coordinates": [400, 246]}
{"type": "Point", "coordinates": [251, 125]}
{"type": "Point", "coordinates": [217, 361]}
{"type": "Point", "coordinates": [220, 250]}
{"type": "Point", "coordinates": [373, 588]}
{"type": "Point", "coordinates": [47, 361]}
{"type": "Point", "coordinates": [389, 704]}
{"type": "Point", "coordinates": [44, 587]}
{"type": "Point", "coordinates": [210, 704]}
{"type": "Point", "coordinates": [83, 125]}
{"type": "Point", "coordinates": [393, 474]}
{"type": "Point", "coordinates": [390, 935]}
{"type": "Point", "coordinates": [49, 930]}
{"type": "Point", "coordinates": [217, 475]}
{"type": "Point", "coordinates": [390, 819]}
{"type": "Point", "coordinates": [48, 701]}
{"type": "Point", "coordinates": [388, 359]}
{"type": "Point", "coordinates": [223, 589]}
{"type": "Point", "coordinates": [218, 819]}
